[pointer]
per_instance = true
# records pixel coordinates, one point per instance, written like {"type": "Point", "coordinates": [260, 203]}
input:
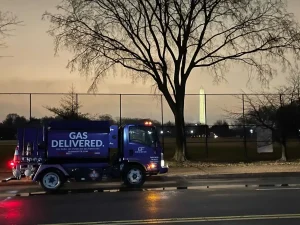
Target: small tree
{"type": "Point", "coordinates": [69, 107]}
{"type": "Point", "coordinates": [14, 120]}
{"type": "Point", "coordinates": [165, 40]}
{"type": "Point", "coordinates": [106, 117]}
{"type": "Point", "coordinates": [266, 110]}
{"type": "Point", "coordinates": [221, 128]}
{"type": "Point", "coordinates": [279, 112]}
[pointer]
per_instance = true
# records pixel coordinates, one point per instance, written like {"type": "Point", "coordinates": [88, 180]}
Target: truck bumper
{"type": "Point", "coordinates": [164, 169]}
{"type": "Point", "coordinates": [161, 170]}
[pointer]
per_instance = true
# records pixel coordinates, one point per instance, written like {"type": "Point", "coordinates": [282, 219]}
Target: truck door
{"type": "Point", "coordinates": [141, 144]}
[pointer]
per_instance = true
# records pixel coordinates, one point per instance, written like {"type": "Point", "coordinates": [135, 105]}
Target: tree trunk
{"type": "Point", "coordinates": [284, 155]}
{"type": "Point", "coordinates": [177, 107]}
{"type": "Point", "coordinates": [180, 149]}
{"type": "Point", "coordinates": [283, 152]}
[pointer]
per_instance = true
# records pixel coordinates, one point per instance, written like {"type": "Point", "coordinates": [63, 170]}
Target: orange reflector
{"type": "Point", "coordinates": [151, 166]}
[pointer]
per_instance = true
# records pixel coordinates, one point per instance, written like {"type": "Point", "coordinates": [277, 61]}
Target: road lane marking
{"type": "Point", "coordinates": [6, 199]}
{"type": "Point", "coordinates": [187, 220]}
{"type": "Point", "coordinates": [7, 195]}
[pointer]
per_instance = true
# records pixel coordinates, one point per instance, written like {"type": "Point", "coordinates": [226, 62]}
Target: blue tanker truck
{"type": "Point", "coordinates": [81, 151]}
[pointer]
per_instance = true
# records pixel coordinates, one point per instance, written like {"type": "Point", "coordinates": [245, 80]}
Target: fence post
{"type": "Point", "coordinates": [30, 110]}
{"type": "Point", "coordinates": [206, 140]}
{"type": "Point", "coordinates": [206, 130]}
{"type": "Point", "coordinates": [162, 120]}
{"type": "Point", "coordinates": [244, 127]}
{"type": "Point", "coordinates": [120, 120]}
{"type": "Point", "coordinates": [77, 106]}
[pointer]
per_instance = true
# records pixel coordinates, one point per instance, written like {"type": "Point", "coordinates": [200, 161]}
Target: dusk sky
{"type": "Point", "coordinates": [33, 68]}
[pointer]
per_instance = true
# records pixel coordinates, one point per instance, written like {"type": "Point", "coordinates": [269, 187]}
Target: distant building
{"type": "Point", "coordinates": [202, 105]}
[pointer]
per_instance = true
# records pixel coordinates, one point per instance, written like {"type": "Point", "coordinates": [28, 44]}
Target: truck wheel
{"type": "Point", "coordinates": [17, 174]}
{"type": "Point", "coordinates": [52, 180]}
{"type": "Point", "coordinates": [134, 176]}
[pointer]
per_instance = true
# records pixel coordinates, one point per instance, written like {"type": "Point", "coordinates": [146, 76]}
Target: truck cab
{"type": "Point", "coordinates": [141, 145]}
{"type": "Point", "coordinates": [89, 151]}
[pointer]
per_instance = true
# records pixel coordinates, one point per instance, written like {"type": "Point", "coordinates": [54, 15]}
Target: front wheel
{"type": "Point", "coordinates": [134, 176]}
{"type": "Point", "coordinates": [51, 180]}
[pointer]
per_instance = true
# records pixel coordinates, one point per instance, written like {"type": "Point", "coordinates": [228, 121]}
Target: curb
{"type": "Point", "coordinates": [120, 189]}
{"type": "Point", "coordinates": [11, 181]}
{"type": "Point", "coordinates": [220, 176]}
{"type": "Point", "coordinates": [19, 183]}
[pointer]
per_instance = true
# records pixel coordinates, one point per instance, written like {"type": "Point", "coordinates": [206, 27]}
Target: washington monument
{"type": "Point", "coordinates": [202, 105]}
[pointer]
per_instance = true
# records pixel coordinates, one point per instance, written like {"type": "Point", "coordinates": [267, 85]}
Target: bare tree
{"type": "Point", "coordinates": [165, 40]}
{"type": "Point", "coordinates": [7, 21]}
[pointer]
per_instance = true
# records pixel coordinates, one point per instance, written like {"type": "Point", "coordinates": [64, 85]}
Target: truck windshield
{"type": "Point", "coordinates": [143, 134]}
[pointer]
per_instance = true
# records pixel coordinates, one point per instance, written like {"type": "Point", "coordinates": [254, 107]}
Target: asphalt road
{"type": "Point", "coordinates": [241, 206]}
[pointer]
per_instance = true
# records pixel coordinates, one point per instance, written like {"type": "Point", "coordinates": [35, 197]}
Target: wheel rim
{"type": "Point", "coordinates": [17, 174]}
{"type": "Point", "coordinates": [51, 180]}
{"type": "Point", "coordinates": [134, 176]}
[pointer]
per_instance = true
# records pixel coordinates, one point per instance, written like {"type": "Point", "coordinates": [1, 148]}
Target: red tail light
{"type": "Point", "coordinates": [11, 164]}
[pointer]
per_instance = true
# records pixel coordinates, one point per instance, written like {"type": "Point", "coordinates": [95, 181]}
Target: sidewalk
{"type": "Point", "coordinates": [235, 170]}
{"type": "Point", "coordinates": [206, 171]}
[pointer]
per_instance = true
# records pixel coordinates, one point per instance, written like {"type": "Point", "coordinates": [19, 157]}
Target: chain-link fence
{"type": "Point", "coordinates": [220, 127]}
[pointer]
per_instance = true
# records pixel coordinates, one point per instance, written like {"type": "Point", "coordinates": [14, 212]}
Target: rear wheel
{"type": "Point", "coordinates": [52, 180]}
{"type": "Point", "coordinates": [17, 174]}
{"type": "Point", "coordinates": [134, 176]}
